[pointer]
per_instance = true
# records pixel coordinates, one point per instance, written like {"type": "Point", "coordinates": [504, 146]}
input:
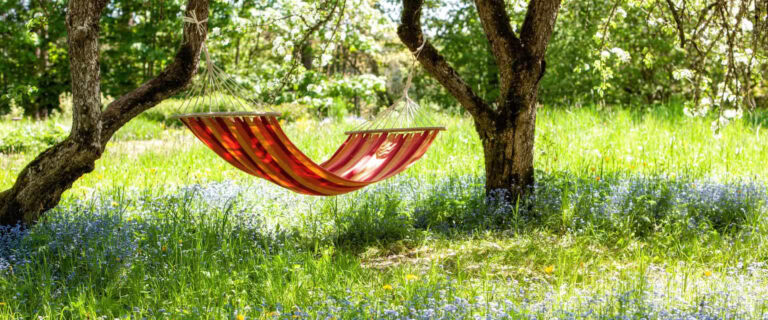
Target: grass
{"type": "Point", "coordinates": [635, 215]}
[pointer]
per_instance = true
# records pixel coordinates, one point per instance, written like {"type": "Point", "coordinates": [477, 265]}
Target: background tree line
{"type": "Point", "coordinates": [707, 55]}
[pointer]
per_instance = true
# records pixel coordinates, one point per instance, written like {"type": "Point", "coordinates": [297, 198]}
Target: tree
{"type": "Point", "coordinates": [33, 71]}
{"type": "Point", "coordinates": [506, 126]}
{"type": "Point", "coordinates": [41, 183]}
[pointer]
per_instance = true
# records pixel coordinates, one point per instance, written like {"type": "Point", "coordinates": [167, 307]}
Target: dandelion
{"type": "Point", "coordinates": [593, 169]}
{"type": "Point", "coordinates": [707, 273]}
{"type": "Point", "coordinates": [597, 178]}
{"type": "Point", "coordinates": [411, 277]}
{"type": "Point", "coordinates": [387, 287]}
{"type": "Point", "coordinates": [114, 204]}
{"type": "Point", "coordinates": [549, 269]}
{"type": "Point", "coordinates": [240, 317]}
{"type": "Point", "coordinates": [164, 249]}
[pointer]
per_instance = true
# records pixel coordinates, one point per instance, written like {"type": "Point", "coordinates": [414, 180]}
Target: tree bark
{"type": "Point", "coordinates": [41, 183]}
{"type": "Point", "coordinates": [507, 130]}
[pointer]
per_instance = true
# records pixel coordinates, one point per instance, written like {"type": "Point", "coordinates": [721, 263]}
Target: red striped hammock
{"type": "Point", "coordinates": [256, 144]}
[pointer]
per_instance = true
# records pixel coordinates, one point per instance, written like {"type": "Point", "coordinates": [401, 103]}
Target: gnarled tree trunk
{"type": "Point", "coordinates": [506, 130]}
{"type": "Point", "coordinates": [41, 183]}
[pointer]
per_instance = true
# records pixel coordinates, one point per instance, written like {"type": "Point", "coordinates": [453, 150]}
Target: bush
{"type": "Point", "coordinates": [31, 136]}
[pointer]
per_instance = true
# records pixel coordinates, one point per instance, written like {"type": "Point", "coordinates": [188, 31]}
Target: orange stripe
{"type": "Point", "coordinates": [339, 150]}
{"type": "Point", "coordinates": [395, 158]}
{"type": "Point", "coordinates": [402, 157]}
{"type": "Point", "coordinates": [202, 133]}
{"type": "Point", "coordinates": [377, 162]}
{"type": "Point", "coordinates": [347, 154]}
{"type": "Point", "coordinates": [283, 160]}
{"type": "Point", "coordinates": [309, 164]}
{"type": "Point", "coordinates": [363, 154]}
{"type": "Point", "coordinates": [224, 127]}
{"type": "Point", "coordinates": [416, 156]}
{"type": "Point", "coordinates": [263, 159]}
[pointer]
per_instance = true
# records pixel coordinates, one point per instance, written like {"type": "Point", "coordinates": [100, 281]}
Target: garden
{"type": "Point", "coordinates": [650, 203]}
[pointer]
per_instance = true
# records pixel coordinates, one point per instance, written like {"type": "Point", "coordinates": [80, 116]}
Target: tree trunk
{"type": "Point", "coordinates": [509, 156]}
{"type": "Point", "coordinates": [41, 183]}
{"type": "Point", "coordinates": [506, 131]}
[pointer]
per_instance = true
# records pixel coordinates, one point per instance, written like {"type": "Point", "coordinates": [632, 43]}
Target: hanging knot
{"type": "Point", "coordinates": [418, 50]}
{"type": "Point", "coordinates": [198, 23]}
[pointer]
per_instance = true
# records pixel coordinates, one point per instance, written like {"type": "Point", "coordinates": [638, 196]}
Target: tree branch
{"type": "Point", "coordinates": [83, 41]}
{"type": "Point", "coordinates": [538, 25]}
{"type": "Point", "coordinates": [173, 79]}
{"type": "Point", "coordinates": [411, 35]}
{"type": "Point", "coordinates": [678, 22]}
{"type": "Point", "coordinates": [506, 47]}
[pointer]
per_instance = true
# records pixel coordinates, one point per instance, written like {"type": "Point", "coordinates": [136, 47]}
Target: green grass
{"type": "Point", "coordinates": [635, 214]}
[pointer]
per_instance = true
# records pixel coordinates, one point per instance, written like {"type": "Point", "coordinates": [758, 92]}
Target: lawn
{"type": "Point", "coordinates": [640, 214]}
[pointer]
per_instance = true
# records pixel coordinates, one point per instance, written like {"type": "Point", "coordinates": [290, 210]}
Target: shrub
{"type": "Point", "coordinates": [31, 137]}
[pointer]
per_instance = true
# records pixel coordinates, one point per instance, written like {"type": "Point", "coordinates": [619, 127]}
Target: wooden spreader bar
{"type": "Point", "coordinates": [396, 130]}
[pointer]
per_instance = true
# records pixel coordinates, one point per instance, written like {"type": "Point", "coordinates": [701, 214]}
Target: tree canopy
{"type": "Point", "coordinates": [707, 55]}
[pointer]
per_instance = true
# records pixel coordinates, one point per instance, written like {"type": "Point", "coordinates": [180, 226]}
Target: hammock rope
{"type": "Point", "coordinates": [253, 140]}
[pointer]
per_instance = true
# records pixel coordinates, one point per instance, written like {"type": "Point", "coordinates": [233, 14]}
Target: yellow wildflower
{"type": "Point", "coordinates": [240, 317]}
{"type": "Point", "coordinates": [549, 269]}
{"type": "Point", "coordinates": [2, 304]}
{"type": "Point", "coordinates": [273, 314]}
{"type": "Point", "coordinates": [387, 287]}
{"type": "Point", "coordinates": [164, 248]}
{"type": "Point", "coordinates": [707, 273]}
{"type": "Point", "coordinates": [114, 204]}
{"type": "Point", "coordinates": [411, 277]}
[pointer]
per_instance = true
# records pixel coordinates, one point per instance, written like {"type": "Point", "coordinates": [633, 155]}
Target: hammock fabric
{"type": "Point", "coordinates": [256, 144]}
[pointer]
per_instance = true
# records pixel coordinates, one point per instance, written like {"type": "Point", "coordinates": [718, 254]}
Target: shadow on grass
{"type": "Point", "coordinates": [561, 203]}
{"type": "Point", "coordinates": [95, 241]}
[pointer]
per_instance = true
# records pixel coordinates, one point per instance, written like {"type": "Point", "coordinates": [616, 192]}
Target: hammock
{"type": "Point", "coordinates": [255, 143]}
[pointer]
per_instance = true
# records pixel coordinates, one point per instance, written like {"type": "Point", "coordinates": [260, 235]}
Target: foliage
{"type": "Point", "coordinates": [622, 52]}
{"type": "Point", "coordinates": [30, 136]}
{"type": "Point", "coordinates": [34, 68]}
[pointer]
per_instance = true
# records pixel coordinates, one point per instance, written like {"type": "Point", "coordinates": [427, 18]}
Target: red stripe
{"type": "Point", "coordinates": [392, 157]}
{"type": "Point", "coordinates": [355, 149]}
{"type": "Point", "coordinates": [417, 154]}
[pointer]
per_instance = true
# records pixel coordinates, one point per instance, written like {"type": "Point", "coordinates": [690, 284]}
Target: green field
{"type": "Point", "coordinates": [640, 214]}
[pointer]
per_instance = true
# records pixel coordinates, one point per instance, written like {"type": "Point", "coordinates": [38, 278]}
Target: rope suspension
{"type": "Point", "coordinates": [220, 115]}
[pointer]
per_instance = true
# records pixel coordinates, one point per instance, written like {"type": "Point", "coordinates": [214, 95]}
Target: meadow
{"type": "Point", "coordinates": [636, 214]}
